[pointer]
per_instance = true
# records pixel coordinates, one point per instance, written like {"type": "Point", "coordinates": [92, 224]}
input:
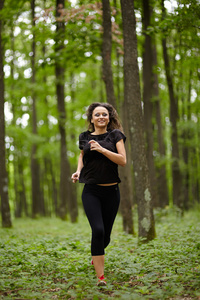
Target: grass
{"type": "Point", "coordinates": [50, 259]}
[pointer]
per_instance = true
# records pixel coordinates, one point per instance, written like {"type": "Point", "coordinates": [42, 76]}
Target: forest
{"type": "Point", "coordinates": [58, 57]}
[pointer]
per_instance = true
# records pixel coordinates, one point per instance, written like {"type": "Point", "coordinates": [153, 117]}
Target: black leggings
{"type": "Point", "coordinates": [101, 204]}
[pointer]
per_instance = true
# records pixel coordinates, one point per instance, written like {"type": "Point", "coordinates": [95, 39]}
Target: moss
{"type": "Point", "coordinates": [147, 195]}
{"type": "Point", "coordinates": [145, 224]}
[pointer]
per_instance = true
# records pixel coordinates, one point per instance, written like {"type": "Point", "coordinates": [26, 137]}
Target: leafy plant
{"type": "Point", "coordinates": [50, 259]}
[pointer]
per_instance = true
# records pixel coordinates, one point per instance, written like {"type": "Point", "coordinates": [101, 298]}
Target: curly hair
{"type": "Point", "coordinates": [114, 122]}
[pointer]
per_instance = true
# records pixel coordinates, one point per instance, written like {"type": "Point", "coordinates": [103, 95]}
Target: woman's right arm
{"type": "Point", "coordinates": [75, 176]}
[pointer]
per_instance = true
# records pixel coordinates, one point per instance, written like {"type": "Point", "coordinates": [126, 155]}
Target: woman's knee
{"type": "Point", "coordinates": [98, 232]}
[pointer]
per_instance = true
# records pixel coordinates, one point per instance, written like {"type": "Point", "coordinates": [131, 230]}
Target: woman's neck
{"type": "Point", "coordinates": [98, 131]}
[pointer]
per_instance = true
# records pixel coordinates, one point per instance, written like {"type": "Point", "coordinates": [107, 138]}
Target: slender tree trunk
{"type": "Point", "coordinates": [176, 173]}
{"type": "Point", "coordinates": [19, 185]}
{"type": "Point", "coordinates": [74, 204]}
{"type": "Point", "coordinates": [187, 136]}
{"type": "Point", "coordinates": [54, 190]}
{"type": "Point", "coordinates": [21, 188]}
{"type": "Point", "coordinates": [17, 202]}
{"type": "Point", "coordinates": [5, 208]}
{"type": "Point", "coordinates": [118, 97]}
{"type": "Point", "coordinates": [52, 198]}
{"type": "Point", "coordinates": [106, 53]}
{"type": "Point", "coordinates": [62, 113]}
{"type": "Point", "coordinates": [136, 123]}
{"type": "Point", "coordinates": [147, 99]}
{"type": "Point", "coordinates": [67, 196]}
{"type": "Point", "coordinates": [35, 172]}
{"type": "Point", "coordinates": [126, 186]}
{"type": "Point", "coordinates": [161, 170]}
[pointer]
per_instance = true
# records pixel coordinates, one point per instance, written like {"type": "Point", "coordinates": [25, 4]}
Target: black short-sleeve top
{"type": "Point", "coordinates": [97, 168]}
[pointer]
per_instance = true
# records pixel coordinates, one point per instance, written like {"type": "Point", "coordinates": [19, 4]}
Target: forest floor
{"type": "Point", "coordinates": [50, 259]}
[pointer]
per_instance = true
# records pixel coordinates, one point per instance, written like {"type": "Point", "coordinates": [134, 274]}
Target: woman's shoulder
{"type": "Point", "coordinates": [84, 135]}
{"type": "Point", "coordinates": [116, 131]}
{"type": "Point", "coordinates": [117, 134]}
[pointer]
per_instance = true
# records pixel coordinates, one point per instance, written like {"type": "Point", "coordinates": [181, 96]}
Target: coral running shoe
{"type": "Point", "coordinates": [101, 281]}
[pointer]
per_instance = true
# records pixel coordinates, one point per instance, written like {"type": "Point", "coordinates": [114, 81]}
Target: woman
{"type": "Point", "coordinates": [102, 150]}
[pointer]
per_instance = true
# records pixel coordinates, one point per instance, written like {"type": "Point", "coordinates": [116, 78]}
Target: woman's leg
{"type": "Point", "coordinates": [93, 210]}
{"type": "Point", "coordinates": [98, 261]}
{"type": "Point", "coordinates": [110, 207]}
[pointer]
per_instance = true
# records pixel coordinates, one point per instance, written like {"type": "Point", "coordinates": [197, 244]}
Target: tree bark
{"type": "Point", "coordinates": [161, 170]}
{"type": "Point", "coordinates": [126, 186]}
{"type": "Point", "coordinates": [54, 190]}
{"type": "Point", "coordinates": [106, 53]}
{"type": "Point", "coordinates": [17, 202]}
{"type": "Point", "coordinates": [21, 188]}
{"type": "Point", "coordinates": [50, 181]}
{"type": "Point", "coordinates": [118, 90]}
{"type": "Point", "coordinates": [147, 99]}
{"type": "Point", "coordinates": [5, 208]}
{"type": "Point", "coordinates": [136, 123]}
{"type": "Point", "coordinates": [67, 196]}
{"type": "Point", "coordinates": [35, 172]}
{"type": "Point", "coordinates": [176, 173]}
{"type": "Point", "coordinates": [187, 136]}
{"type": "Point", "coordinates": [74, 204]}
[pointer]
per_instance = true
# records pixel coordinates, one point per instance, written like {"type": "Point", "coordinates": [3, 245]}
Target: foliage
{"type": "Point", "coordinates": [50, 259]}
{"type": "Point", "coordinates": [81, 57]}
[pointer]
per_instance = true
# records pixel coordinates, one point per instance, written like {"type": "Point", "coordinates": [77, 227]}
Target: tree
{"type": "Point", "coordinates": [126, 186]}
{"type": "Point", "coordinates": [147, 98]}
{"type": "Point", "coordinates": [67, 195]}
{"type": "Point", "coordinates": [5, 208]}
{"type": "Point", "coordinates": [176, 172]}
{"type": "Point", "coordinates": [136, 123]}
{"type": "Point", "coordinates": [106, 53]}
{"type": "Point", "coordinates": [37, 203]}
{"type": "Point", "coordinates": [161, 169]}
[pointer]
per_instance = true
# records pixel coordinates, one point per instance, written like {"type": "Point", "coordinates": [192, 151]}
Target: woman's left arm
{"type": "Point", "coordinates": [119, 158]}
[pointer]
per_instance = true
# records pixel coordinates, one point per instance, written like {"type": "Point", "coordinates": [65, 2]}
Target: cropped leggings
{"type": "Point", "coordinates": [101, 204]}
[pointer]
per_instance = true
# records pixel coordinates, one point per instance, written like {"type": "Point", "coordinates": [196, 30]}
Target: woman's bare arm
{"type": "Point", "coordinates": [75, 176]}
{"type": "Point", "coordinates": [118, 158]}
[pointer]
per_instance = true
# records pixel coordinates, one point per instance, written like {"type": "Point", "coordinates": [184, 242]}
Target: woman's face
{"type": "Point", "coordinates": [100, 117]}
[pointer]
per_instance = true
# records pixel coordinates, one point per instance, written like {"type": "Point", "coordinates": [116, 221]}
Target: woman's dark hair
{"type": "Point", "coordinates": [114, 122]}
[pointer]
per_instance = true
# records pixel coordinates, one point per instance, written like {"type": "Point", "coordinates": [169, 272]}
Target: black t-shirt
{"type": "Point", "coordinates": [98, 169]}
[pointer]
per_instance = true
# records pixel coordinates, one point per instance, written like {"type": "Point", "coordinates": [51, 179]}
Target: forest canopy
{"type": "Point", "coordinates": [57, 58]}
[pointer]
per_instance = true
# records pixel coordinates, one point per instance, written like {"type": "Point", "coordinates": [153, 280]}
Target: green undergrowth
{"type": "Point", "coordinates": [50, 259]}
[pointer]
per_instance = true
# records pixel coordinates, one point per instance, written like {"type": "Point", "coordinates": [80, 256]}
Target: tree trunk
{"type": "Point", "coordinates": [176, 173]}
{"type": "Point", "coordinates": [35, 172]}
{"type": "Point", "coordinates": [186, 137]}
{"type": "Point", "coordinates": [161, 170]}
{"type": "Point", "coordinates": [52, 198]}
{"type": "Point", "coordinates": [106, 53]}
{"type": "Point", "coordinates": [67, 196]}
{"type": "Point", "coordinates": [136, 123]}
{"type": "Point", "coordinates": [21, 187]}
{"type": "Point", "coordinates": [147, 99]}
{"type": "Point", "coordinates": [5, 208]}
{"type": "Point", "coordinates": [54, 190]}
{"type": "Point", "coordinates": [118, 97]}
{"type": "Point", "coordinates": [126, 186]}
{"type": "Point", "coordinates": [74, 204]}
{"type": "Point", "coordinates": [17, 202]}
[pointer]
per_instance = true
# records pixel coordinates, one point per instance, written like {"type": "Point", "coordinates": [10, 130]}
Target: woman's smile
{"type": "Point", "coordinates": [100, 116]}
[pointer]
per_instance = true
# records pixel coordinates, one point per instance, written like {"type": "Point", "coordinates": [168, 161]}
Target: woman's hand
{"type": "Point", "coordinates": [75, 176]}
{"type": "Point", "coordinates": [95, 146]}
{"type": "Point", "coordinates": [118, 158]}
